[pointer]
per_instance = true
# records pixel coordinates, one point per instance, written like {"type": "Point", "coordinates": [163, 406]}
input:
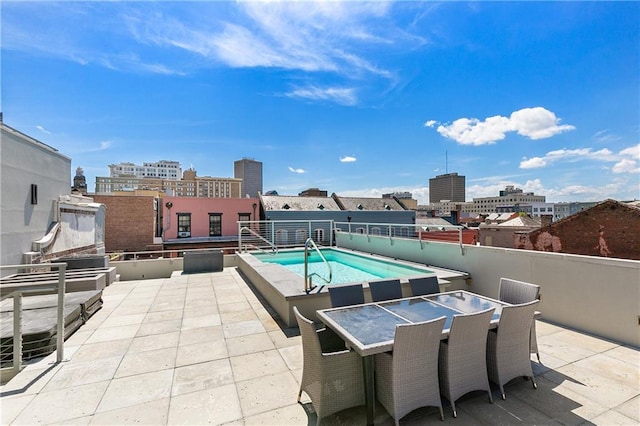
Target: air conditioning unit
{"type": "Point", "coordinates": [184, 234]}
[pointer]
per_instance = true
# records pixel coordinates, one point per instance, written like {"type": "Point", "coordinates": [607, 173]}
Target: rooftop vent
{"type": "Point", "coordinates": [359, 207]}
{"type": "Point", "coordinates": [320, 206]}
{"type": "Point", "coordinates": [286, 206]}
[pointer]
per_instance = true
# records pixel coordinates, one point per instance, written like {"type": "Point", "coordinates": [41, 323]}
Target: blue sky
{"type": "Point", "coordinates": [355, 98]}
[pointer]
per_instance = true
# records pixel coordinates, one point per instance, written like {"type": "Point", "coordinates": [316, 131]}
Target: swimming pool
{"type": "Point", "coordinates": [346, 267]}
{"type": "Point", "coordinates": [283, 289]}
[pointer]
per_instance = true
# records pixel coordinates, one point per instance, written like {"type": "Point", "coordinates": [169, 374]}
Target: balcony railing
{"type": "Point", "coordinates": [14, 344]}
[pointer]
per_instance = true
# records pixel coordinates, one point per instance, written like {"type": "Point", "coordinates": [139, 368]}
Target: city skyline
{"type": "Point", "coordinates": [359, 99]}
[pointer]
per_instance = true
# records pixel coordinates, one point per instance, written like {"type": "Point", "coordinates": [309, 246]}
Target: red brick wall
{"type": "Point", "coordinates": [129, 222]}
{"type": "Point", "coordinates": [609, 229]}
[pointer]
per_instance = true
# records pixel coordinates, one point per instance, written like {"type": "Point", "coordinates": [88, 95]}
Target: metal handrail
{"type": "Point", "coordinates": [17, 292]}
{"type": "Point", "coordinates": [274, 248]}
{"type": "Point", "coordinates": [418, 230]}
{"type": "Point", "coordinates": [308, 284]}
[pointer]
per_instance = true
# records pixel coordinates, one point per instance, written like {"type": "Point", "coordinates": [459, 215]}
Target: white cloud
{"type": "Point", "coordinates": [533, 123]}
{"type": "Point", "coordinates": [537, 123]}
{"type": "Point", "coordinates": [348, 159]}
{"type": "Point", "coordinates": [626, 166]}
{"type": "Point", "coordinates": [626, 160]}
{"type": "Point", "coordinates": [299, 171]}
{"type": "Point", "coordinates": [605, 136]}
{"type": "Point", "coordinates": [342, 96]}
{"type": "Point", "coordinates": [633, 152]}
{"type": "Point", "coordinates": [533, 163]}
{"type": "Point", "coordinates": [43, 130]}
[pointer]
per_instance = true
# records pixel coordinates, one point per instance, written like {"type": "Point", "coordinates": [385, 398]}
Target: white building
{"type": "Point", "coordinates": [163, 169]}
{"type": "Point", "coordinates": [39, 218]}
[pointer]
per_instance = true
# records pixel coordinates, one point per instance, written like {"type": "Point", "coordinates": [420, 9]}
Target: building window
{"type": "Point", "coordinates": [184, 225]}
{"type": "Point", "coordinates": [301, 235]}
{"type": "Point", "coordinates": [215, 224]}
{"type": "Point", "coordinates": [281, 236]}
{"type": "Point", "coordinates": [34, 194]}
{"type": "Point", "coordinates": [244, 217]}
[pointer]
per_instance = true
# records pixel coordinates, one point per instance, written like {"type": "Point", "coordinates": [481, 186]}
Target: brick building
{"type": "Point", "coordinates": [608, 229]}
{"type": "Point", "coordinates": [131, 222]}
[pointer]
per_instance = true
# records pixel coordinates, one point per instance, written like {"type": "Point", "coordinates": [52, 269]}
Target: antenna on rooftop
{"type": "Point", "coordinates": [446, 162]}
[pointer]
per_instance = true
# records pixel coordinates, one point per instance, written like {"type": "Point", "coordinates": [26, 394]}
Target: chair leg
{"type": "Point", "coordinates": [538, 355]}
{"type": "Point", "coordinates": [501, 393]}
{"type": "Point", "coordinates": [491, 397]}
{"type": "Point", "coordinates": [453, 406]}
{"type": "Point", "coordinates": [299, 395]}
{"type": "Point", "coordinates": [441, 414]}
{"type": "Point", "coordinates": [533, 382]}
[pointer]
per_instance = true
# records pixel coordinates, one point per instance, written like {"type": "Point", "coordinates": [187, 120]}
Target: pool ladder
{"type": "Point", "coordinates": [308, 283]}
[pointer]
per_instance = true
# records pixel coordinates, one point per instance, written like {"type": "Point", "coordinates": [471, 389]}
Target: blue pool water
{"type": "Point", "coordinates": [346, 267]}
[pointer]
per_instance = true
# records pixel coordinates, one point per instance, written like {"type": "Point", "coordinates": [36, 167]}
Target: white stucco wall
{"type": "Point", "coordinates": [25, 161]}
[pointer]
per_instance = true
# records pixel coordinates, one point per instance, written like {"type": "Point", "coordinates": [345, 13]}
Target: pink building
{"type": "Point", "coordinates": [205, 218]}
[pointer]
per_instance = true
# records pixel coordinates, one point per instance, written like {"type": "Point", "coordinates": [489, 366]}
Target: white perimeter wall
{"type": "Point", "coordinates": [597, 295]}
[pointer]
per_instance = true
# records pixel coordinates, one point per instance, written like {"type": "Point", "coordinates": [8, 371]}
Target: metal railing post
{"type": "Point", "coordinates": [60, 334]}
{"type": "Point", "coordinates": [17, 332]}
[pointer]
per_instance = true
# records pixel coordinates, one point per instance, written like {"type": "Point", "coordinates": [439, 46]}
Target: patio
{"type": "Point", "coordinates": [204, 349]}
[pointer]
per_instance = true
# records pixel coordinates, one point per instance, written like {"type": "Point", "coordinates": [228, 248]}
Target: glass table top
{"type": "Point", "coordinates": [369, 324]}
{"type": "Point", "coordinates": [467, 303]}
{"type": "Point", "coordinates": [418, 310]}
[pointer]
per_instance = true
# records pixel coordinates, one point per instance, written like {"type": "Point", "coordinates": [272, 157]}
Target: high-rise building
{"type": "Point", "coordinates": [190, 185]}
{"type": "Point", "coordinates": [163, 169]}
{"type": "Point", "coordinates": [250, 171]}
{"type": "Point", "coordinates": [450, 187]}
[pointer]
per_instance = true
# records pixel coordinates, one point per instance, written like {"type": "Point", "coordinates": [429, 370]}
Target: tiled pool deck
{"type": "Point", "coordinates": [203, 349]}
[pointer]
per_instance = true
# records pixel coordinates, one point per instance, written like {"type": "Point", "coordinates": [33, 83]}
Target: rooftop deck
{"type": "Point", "coordinates": [205, 349]}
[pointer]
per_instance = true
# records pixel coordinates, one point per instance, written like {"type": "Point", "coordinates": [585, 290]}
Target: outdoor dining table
{"type": "Point", "coordinates": [369, 329]}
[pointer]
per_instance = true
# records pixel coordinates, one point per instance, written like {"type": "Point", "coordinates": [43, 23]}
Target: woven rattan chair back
{"type": "Point", "coordinates": [463, 363]}
{"type": "Point", "coordinates": [516, 292]}
{"type": "Point", "coordinates": [334, 381]}
{"type": "Point", "coordinates": [407, 379]}
{"type": "Point", "coordinates": [508, 353]}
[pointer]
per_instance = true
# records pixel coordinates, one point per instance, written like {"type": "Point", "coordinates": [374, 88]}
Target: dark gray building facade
{"type": "Point", "coordinates": [250, 171]}
{"type": "Point", "coordinates": [449, 187]}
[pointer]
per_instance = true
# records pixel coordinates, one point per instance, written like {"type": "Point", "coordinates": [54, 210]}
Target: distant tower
{"type": "Point", "coordinates": [250, 171]}
{"type": "Point", "coordinates": [449, 186]}
{"type": "Point", "coordinates": [80, 182]}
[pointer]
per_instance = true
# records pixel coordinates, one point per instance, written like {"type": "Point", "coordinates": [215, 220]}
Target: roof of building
{"type": "Point", "coordinates": [432, 221]}
{"type": "Point", "coordinates": [523, 221]}
{"type": "Point", "coordinates": [375, 204]}
{"type": "Point", "coordinates": [296, 203]}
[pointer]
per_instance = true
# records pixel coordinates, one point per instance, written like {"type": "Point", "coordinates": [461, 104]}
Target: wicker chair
{"type": "Point", "coordinates": [408, 378]}
{"type": "Point", "coordinates": [334, 381]}
{"type": "Point", "coordinates": [385, 290]}
{"type": "Point", "coordinates": [517, 292]}
{"type": "Point", "coordinates": [508, 354]}
{"type": "Point", "coordinates": [424, 285]}
{"type": "Point", "coordinates": [463, 363]}
{"type": "Point", "coordinates": [346, 295]}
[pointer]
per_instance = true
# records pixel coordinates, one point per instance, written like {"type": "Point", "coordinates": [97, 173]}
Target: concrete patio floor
{"type": "Point", "coordinates": [203, 349]}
